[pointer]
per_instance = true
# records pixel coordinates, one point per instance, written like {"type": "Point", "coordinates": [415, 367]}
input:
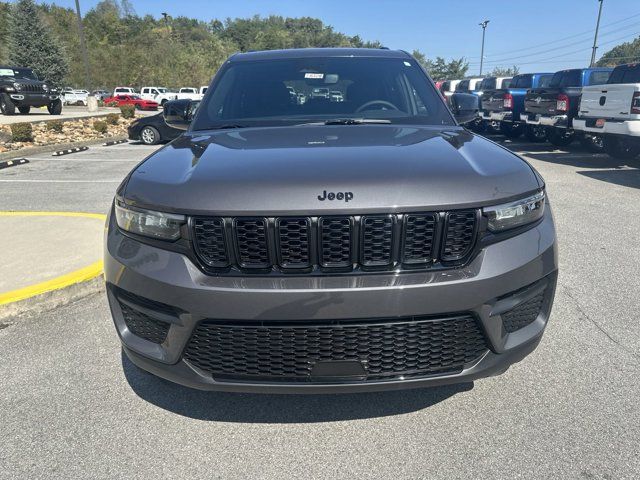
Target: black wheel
{"type": "Point", "coordinates": [24, 110]}
{"type": "Point", "coordinates": [164, 100]}
{"type": "Point", "coordinates": [149, 136]}
{"type": "Point", "coordinates": [137, 107]}
{"type": "Point", "coordinates": [560, 137]}
{"type": "Point", "coordinates": [510, 130]}
{"type": "Point", "coordinates": [535, 133]}
{"type": "Point", "coordinates": [621, 148]}
{"type": "Point", "coordinates": [592, 143]}
{"type": "Point", "coordinates": [7, 107]}
{"type": "Point", "coordinates": [55, 107]}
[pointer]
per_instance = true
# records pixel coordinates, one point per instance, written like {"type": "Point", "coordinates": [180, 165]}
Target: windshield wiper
{"type": "Point", "coordinates": [350, 121]}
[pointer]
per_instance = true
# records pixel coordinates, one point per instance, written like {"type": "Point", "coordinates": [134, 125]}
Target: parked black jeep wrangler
{"type": "Point", "coordinates": [21, 89]}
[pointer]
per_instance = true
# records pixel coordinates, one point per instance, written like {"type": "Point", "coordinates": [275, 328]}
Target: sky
{"type": "Point", "coordinates": [536, 35]}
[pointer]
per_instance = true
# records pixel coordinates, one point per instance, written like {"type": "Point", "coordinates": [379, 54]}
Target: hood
{"type": "Point", "coordinates": [294, 170]}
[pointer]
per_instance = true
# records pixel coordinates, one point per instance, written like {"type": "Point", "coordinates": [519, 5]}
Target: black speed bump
{"type": "Point", "coordinates": [68, 151]}
{"type": "Point", "coordinates": [13, 163]}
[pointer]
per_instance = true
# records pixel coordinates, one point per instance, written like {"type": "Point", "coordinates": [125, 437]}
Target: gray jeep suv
{"type": "Point", "coordinates": [281, 245]}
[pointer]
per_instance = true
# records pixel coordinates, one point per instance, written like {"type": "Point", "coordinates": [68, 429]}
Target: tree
{"type": "Point", "coordinates": [504, 72]}
{"type": "Point", "coordinates": [628, 52]}
{"type": "Point", "coordinates": [31, 44]}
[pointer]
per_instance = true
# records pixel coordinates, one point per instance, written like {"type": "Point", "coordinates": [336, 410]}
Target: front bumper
{"type": "Point", "coordinates": [502, 275]}
{"type": "Point", "coordinates": [498, 116]}
{"type": "Point", "coordinates": [559, 121]}
{"type": "Point", "coordinates": [610, 127]}
{"type": "Point", "coordinates": [32, 99]}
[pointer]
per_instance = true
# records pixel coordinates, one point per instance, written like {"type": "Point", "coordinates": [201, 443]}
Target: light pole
{"type": "Point", "coordinates": [595, 38]}
{"type": "Point", "coordinates": [484, 28]}
{"type": "Point", "coordinates": [83, 48]}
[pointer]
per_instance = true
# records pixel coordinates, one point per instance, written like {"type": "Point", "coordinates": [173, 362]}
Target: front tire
{"type": "Point", "coordinates": [535, 133]}
{"type": "Point", "coordinates": [55, 107]}
{"type": "Point", "coordinates": [150, 136]}
{"type": "Point", "coordinates": [620, 148]}
{"type": "Point", "coordinates": [24, 110]}
{"type": "Point", "coordinates": [560, 137]}
{"type": "Point", "coordinates": [7, 107]}
{"type": "Point", "coordinates": [510, 130]}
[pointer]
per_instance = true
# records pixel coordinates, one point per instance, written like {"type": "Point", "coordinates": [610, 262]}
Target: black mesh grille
{"type": "Point", "coordinates": [251, 238]}
{"type": "Point", "coordinates": [139, 312]}
{"type": "Point", "coordinates": [286, 352]}
{"type": "Point", "coordinates": [377, 240]}
{"type": "Point", "coordinates": [523, 314]}
{"type": "Point", "coordinates": [419, 231]}
{"type": "Point", "coordinates": [142, 325]}
{"type": "Point", "coordinates": [335, 242]}
{"type": "Point", "coordinates": [210, 241]}
{"type": "Point", "coordinates": [293, 242]}
{"type": "Point", "coordinates": [303, 244]}
{"type": "Point", "coordinates": [459, 235]}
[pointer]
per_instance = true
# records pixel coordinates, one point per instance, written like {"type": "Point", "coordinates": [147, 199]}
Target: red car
{"type": "Point", "coordinates": [136, 101]}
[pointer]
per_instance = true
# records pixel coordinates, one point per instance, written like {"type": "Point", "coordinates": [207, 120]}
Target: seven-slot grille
{"type": "Point", "coordinates": [288, 351]}
{"type": "Point", "coordinates": [31, 88]}
{"type": "Point", "coordinates": [335, 243]}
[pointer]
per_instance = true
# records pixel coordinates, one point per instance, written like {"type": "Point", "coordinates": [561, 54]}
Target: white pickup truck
{"type": "Point", "coordinates": [189, 93]}
{"type": "Point", "coordinates": [74, 97]}
{"type": "Point", "coordinates": [159, 95]}
{"type": "Point", "coordinates": [613, 111]}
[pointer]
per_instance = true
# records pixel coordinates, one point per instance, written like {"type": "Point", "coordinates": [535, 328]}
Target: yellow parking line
{"type": "Point", "coordinates": [77, 276]}
{"type": "Point", "coordinates": [98, 216]}
{"type": "Point", "coordinates": [81, 275]}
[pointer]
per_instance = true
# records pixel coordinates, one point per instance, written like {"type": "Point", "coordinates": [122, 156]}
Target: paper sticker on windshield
{"type": "Point", "coordinates": [6, 72]}
{"type": "Point", "coordinates": [318, 76]}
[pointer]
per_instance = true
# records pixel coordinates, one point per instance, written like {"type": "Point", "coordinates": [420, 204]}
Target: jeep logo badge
{"type": "Point", "coordinates": [538, 100]}
{"type": "Point", "coordinates": [346, 196]}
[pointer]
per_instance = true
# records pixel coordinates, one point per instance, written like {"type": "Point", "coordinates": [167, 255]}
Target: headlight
{"type": "Point", "coordinates": [165, 226]}
{"type": "Point", "coordinates": [45, 87]}
{"type": "Point", "coordinates": [515, 214]}
{"type": "Point", "coordinates": [17, 86]}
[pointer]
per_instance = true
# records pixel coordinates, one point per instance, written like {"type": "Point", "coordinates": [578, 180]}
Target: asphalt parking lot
{"type": "Point", "coordinates": [72, 406]}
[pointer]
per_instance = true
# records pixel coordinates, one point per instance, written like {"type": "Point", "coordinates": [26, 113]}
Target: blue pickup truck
{"type": "Point", "coordinates": [556, 105]}
{"type": "Point", "coordinates": [501, 108]}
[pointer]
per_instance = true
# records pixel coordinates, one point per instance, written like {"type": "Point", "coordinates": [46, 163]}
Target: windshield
{"type": "Point", "coordinates": [626, 74]}
{"type": "Point", "coordinates": [488, 84]}
{"type": "Point", "coordinates": [259, 93]}
{"type": "Point", "coordinates": [566, 78]}
{"type": "Point", "coordinates": [18, 73]}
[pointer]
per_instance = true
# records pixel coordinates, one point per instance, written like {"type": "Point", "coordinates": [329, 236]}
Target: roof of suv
{"type": "Point", "coordinates": [318, 52]}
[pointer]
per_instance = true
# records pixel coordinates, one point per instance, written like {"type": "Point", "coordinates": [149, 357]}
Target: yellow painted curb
{"type": "Point", "coordinates": [77, 276]}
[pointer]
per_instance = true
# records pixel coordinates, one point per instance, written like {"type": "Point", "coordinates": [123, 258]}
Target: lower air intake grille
{"type": "Point", "coordinates": [143, 326]}
{"type": "Point", "coordinates": [523, 314]}
{"type": "Point", "coordinates": [272, 352]}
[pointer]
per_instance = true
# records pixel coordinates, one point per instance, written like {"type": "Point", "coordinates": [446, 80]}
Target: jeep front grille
{"type": "Point", "coordinates": [30, 88]}
{"type": "Point", "coordinates": [334, 243]}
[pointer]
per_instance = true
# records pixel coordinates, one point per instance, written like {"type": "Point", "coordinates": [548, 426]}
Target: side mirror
{"type": "Point", "coordinates": [465, 107]}
{"type": "Point", "coordinates": [178, 113]}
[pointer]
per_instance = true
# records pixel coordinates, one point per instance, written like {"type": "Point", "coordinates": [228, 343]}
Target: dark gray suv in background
{"type": "Point", "coordinates": [371, 243]}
